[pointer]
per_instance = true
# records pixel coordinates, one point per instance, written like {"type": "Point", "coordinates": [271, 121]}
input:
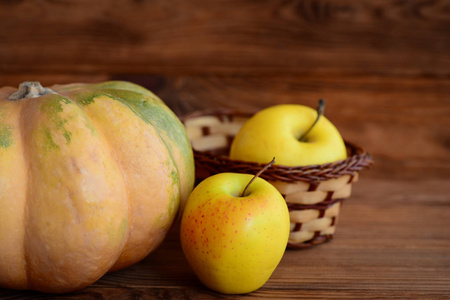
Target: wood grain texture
{"type": "Point", "coordinates": [325, 37]}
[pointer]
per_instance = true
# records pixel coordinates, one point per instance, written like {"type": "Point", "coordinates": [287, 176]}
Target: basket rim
{"type": "Point", "coordinates": [357, 159]}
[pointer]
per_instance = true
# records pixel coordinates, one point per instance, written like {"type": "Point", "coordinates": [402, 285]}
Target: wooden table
{"type": "Point", "coordinates": [382, 66]}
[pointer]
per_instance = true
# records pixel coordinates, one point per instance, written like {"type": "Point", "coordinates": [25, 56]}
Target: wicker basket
{"type": "Point", "coordinates": [314, 194]}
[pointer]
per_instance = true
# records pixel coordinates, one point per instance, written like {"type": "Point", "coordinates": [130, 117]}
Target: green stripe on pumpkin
{"type": "Point", "coordinates": [6, 138]}
{"type": "Point", "coordinates": [148, 107]}
{"type": "Point", "coordinates": [47, 141]}
{"type": "Point", "coordinates": [154, 111]}
{"type": "Point", "coordinates": [52, 105]}
{"type": "Point", "coordinates": [122, 85]}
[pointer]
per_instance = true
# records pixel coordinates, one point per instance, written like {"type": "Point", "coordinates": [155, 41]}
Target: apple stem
{"type": "Point", "coordinates": [257, 175]}
{"type": "Point", "coordinates": [320, 111]}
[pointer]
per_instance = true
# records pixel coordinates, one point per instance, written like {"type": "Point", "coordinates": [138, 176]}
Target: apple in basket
{"type": "Point", "coordinates": [234, 231]}
{"type": "Point", "coordinates": [295, 134]}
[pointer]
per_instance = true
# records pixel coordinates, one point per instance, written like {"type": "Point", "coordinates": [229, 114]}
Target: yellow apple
{"type": "Point", "coordinates": [232, 242]}
{"type": "Point", "coordinates": [276, 131]}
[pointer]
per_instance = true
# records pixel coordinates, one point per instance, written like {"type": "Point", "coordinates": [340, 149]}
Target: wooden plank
{"type": "Point", "coordinates": [226, 37]}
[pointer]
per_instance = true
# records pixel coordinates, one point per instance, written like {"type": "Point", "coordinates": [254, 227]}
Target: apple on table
{"type": "Point", "coordinates": [233, 240]}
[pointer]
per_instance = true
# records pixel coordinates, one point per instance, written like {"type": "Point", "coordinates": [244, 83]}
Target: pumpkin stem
{"type": "Point", "coordinates": [30, 89]}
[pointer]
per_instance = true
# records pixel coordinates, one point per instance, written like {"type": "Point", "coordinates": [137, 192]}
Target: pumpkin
{"type": "Point", "coordinates": [91, 180]}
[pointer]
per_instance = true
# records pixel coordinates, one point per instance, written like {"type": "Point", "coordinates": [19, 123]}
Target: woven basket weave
{"type": "Point", "coordinates": [314, 194]}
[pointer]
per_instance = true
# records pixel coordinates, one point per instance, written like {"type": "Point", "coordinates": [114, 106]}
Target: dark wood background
{"type": "Point", "coordinates": [383, 67]}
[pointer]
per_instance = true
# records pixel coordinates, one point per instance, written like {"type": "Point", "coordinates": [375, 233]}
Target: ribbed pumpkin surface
{"type": "Point", "coordinates": [91, 179]}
